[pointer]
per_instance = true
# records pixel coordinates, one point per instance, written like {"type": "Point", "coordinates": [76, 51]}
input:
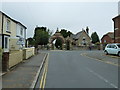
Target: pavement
{"type": "Point", "coordinates": [99, 55]}
{"type": "Point", "coordinates": [70, 69]}
{"type": "Point", "coordinates": [23, 74]}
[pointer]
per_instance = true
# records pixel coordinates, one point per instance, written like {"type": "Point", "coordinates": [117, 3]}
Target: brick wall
{"type": "Point", "coordinates": [108, 39]}
{"type": "Point", "coordinates": [5, 61]}
{"type": "Point", "coordinates": [117, 28]}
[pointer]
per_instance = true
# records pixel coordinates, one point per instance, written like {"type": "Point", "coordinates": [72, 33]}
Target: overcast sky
{"type": "Point", "coordinates": [72, 16]}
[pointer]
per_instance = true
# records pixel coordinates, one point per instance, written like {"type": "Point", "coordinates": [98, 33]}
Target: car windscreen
{"type": "Point", "coordinates": [118, 45]}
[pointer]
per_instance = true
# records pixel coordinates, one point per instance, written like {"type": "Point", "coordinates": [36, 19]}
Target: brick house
{"type": "Point", "coordinates": [108, 38]}
{"type": "Point", "coordinates": [116, 29]}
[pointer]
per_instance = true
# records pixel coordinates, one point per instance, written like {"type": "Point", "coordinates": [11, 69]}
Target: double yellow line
{"type": "Point", "coordinates": [43, 79]}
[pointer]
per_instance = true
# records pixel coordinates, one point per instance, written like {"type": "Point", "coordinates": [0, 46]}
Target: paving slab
{"type": "Point", "coordinates": [101, 56]}
{"type": "Point", "coordinates": [23, 74]}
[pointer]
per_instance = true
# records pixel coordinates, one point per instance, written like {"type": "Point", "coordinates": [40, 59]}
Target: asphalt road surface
{"type": "Point", "coordinates": [70, 69]}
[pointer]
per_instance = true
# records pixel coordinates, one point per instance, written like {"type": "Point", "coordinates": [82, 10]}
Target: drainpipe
{"type": "Point", "coordinates": [2, 31]}
{"type": "Point", "coordinates": [25, 39]}
{"type": "Point", "coordinates": [114, 33]}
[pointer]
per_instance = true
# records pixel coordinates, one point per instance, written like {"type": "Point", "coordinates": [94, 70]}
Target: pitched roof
{"type": "Point", "coordinates": [116, 17]}
{"type": "Point", "coordinates": [13, 19]}
{"type": "Point", "coordinates": [76, 36]}
{"type": "Point", "coordinates": [110, 34]}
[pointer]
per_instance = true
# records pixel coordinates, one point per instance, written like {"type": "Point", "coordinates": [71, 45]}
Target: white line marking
{"type": "Point", "coordinates": [102, 78]}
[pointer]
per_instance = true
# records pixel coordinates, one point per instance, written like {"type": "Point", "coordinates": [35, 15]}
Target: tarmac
{"type": "Point", "coordinates": [23, 75]}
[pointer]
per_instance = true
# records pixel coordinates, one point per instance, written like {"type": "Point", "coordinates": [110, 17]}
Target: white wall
{"type": "Point", "coordinates": [19, 29]}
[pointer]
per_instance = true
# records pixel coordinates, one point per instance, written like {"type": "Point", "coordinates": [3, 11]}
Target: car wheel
{"type": "Point", "coordinates": [119, 54]}
{"type": "Point", "coordinates": [106, 53]}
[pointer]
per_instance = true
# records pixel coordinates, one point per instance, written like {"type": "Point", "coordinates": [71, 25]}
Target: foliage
{"type": "Point", "coordinates": [31, 41]}
{"type": "Point", "coordinates": [65, 33]}
{"type": "Point", "coordinates": [95, 38]}
{"type": "Point", "coordinates": [41, 36]}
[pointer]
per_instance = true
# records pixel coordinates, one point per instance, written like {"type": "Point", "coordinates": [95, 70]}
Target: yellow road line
{"type": "Point", "coordinates": [44, 82]}
{"type": "Point", "coordinates": [107, 62]}
{"type": "Point", "coordinates": [43, 79]}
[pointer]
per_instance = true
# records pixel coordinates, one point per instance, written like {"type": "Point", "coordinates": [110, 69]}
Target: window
{"type": "Point", "coordinates": [113, 46]}
{"type": "Point", "coordinates": [6, 42]}
{"type": "Point", "coordinates": [84, 38]}
{"type": "Point", "coordinates": [21, 31]}
{"type": "Point", "coordinates": [118, 45]}
{"type": "Point", "coordinates": [104, 41]}
{"type": "Point", "coordinates": [109, 46]}
{"type": "Point", "coordinates": [8, 25]}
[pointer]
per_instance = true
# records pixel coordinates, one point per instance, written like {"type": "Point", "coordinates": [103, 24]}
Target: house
{"type": "Point", "coordinates": [12, 38]}
{"type": "Point", "coordinates": [13, 33]}
{"type": "Point", "coordinates": [108, 38]}
{"type": "Point", "coordinates": [81, 38]}
{"type": "Point", "coordinates": [116, 29]}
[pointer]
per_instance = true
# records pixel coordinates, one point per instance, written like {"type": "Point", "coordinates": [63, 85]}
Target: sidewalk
{"type": "Point", "coordinates": [101, 56]}
{"type": "Point", "coordinates": [23, 74]}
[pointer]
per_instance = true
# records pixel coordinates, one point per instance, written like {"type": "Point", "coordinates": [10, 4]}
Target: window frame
{"type": "Point", "coordinates": [8, 25]}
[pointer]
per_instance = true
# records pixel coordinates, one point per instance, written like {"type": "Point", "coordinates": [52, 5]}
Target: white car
{"type": "Point", "coordinates": [112, 49]}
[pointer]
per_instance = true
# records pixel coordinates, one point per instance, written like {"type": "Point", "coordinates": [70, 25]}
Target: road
{"type": "Point", "coordinates": [70, 69]}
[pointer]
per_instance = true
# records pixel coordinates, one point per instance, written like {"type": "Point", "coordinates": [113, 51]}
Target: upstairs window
{"type": "Point", "coordinates": [84, 38]}
{"type": "Point", "coordinates": [21, 31]}
{"type": "Point", "coordinates": [8, 25]}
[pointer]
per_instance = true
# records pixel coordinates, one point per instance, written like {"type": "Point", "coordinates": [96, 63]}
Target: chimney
{"type": "Point", "coordinates": [87, 30]}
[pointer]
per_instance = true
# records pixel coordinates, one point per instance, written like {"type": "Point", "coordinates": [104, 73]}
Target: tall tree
{"type": "Point", "coordinates": [41, 36]}
{"type": "Point", "coordinates": [95, 38]}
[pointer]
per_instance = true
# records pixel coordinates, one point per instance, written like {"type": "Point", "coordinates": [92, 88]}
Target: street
{"type": "Point", "coordinates": [71, 69]}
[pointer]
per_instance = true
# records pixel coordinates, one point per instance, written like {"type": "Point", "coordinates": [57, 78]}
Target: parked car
{"type": "Point", "coordinates": [112, 49]}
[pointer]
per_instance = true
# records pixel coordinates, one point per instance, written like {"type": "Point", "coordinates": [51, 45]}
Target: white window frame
{"type": "Point", "coordinates": [7, 25]}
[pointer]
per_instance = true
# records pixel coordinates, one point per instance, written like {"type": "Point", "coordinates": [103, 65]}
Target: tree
{"type": "Point", "coordinates": [41, 36]}
{"type": "Point", "coordinates": [65, 33]}
{"type": "Point", "coordinates": [95, 38]}
{"type": "Point", "coordinates": [31, 41]}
